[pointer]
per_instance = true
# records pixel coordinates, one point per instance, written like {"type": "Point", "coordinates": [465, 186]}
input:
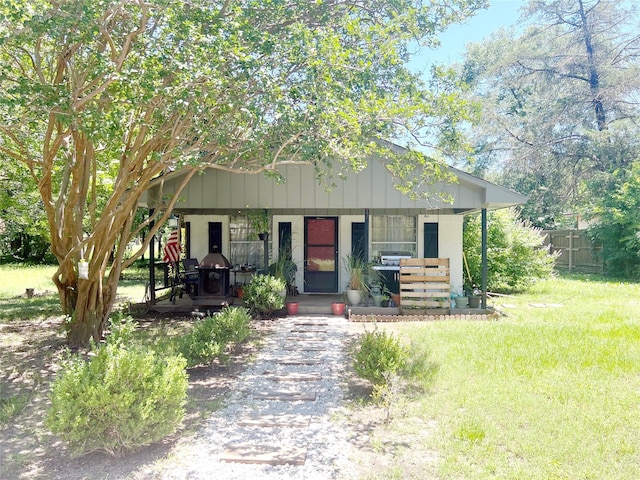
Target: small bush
{"type": "Point", "coordinates": [263, 295]}
{"type": "Point", "coordinates": [123, 397]}
{"type": "Point", "coordinates": [232, 325]}
{"type": "Point", "coordinates": [210, 337]}
{"type": "Point", "coordinates": [378, 356]}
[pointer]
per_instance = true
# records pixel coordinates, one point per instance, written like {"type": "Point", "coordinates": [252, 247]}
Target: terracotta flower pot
{"type": "Point", "coordinates": [292, 308]}
{"type": "Point", "coordinates": [337, 308]}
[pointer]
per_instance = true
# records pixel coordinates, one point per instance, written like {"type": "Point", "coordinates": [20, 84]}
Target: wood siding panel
{"type": "Point", "coordinates": [371, 188]}
{"type": "Point", "coordinates": [222, 190]}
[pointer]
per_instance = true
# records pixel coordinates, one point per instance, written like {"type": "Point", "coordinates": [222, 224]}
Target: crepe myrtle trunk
{"type": "Point", "coordinates": [87, 305]}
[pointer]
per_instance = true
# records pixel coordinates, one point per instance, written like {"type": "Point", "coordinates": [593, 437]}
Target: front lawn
{"type": "Point", "coordinates": [552, 390]}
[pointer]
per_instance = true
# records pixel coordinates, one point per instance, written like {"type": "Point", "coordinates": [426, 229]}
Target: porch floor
{"type": "Point", "coordinates": [308, 304]}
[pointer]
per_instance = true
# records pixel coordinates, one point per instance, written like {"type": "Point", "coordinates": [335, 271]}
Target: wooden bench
{"type": "Point", "coordinates": [425, 283]}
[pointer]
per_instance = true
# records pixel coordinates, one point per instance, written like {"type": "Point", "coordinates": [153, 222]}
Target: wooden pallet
{"type": "Point", "coordinates": [425, 284]}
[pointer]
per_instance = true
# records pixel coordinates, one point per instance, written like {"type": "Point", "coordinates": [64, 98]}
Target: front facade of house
{"type": "Point", "coordinates": [317, 228]}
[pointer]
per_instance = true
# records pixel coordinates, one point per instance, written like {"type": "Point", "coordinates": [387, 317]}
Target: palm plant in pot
{"type": "Point", "coordinates": [357, 272]}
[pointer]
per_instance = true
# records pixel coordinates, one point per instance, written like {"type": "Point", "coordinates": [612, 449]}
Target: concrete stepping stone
{"type": "Point", "coordinates": [285, 395]}
{"type": "Point", "coordinates": [310, 323]}
{"type": "Point", "coordinates": [295, 377]}
{"type": "Point", "coordinates": [265, 454]}
{"type": "Point", "coordinates": [292, 421]}
{"type": "Point", "coordinates": [308, 330]}
{"type": "Point", "coordinates": [305, 348]}
{"type": "Point", "coordinates": [303, 339]}
{"type": "Point", "coordinates": [299, 361]}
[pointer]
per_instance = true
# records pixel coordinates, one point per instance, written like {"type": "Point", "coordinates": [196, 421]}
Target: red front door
{"type": "Point", "coordinates": [321, 254]}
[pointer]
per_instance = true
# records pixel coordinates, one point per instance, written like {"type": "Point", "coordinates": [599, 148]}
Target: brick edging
{"type": "Point", "coordinates": [421, 318]}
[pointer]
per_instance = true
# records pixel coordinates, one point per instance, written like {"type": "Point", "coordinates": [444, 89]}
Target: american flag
{"type": "Point", "coordinates": [172, 248]}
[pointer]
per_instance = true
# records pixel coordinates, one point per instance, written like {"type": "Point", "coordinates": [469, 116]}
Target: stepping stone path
{"type": "Point", "coordinates": [281, 421]}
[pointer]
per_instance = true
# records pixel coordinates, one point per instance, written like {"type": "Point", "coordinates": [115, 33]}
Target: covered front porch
{"type": "Point", "coordinates": [255, 222]}
{"type": "Point", "coordinates": [321, 304]}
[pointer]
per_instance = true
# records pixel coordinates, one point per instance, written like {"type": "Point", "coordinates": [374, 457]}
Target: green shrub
{"type": "Point", "coordinates": [232, 324]}
{"type": "Point", "coordinates": [516, 257]}
{"type": "Point", "coordinates": [263, 295]}
{"type": "Point", "coordinates": [210, 337]}
{"type": "Point", "coordinates": [378, 356]}
{"type": "Point", "coordinates": [123, 397]}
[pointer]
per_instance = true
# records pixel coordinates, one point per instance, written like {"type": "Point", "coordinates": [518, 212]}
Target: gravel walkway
{"type": "Point", "coordinates": [323, 439]}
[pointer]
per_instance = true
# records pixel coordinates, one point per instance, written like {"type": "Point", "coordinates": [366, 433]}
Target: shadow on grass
{"type": "Point", "coordinates": [21, 308]}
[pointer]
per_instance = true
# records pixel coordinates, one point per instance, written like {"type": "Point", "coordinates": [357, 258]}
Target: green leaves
{"type": "Point", "coordinates": [101, 97]}
{"type": "Point", "coordinates": [550, 93]}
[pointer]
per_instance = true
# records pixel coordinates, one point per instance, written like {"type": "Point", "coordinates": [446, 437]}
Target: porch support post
{"type": "Point", "coordinates": [366, 247]}
{"type": "Point", "coordinates": [484, 259]}
{"type": "Point", "coordinates": [265, 246]}
{"type": "Point", "coordinates": [366, 235]}
{"type": "Point", "coordinates": [152, 262]}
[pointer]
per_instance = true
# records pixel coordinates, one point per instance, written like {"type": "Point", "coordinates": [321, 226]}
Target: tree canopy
{"type": "Point", "coordinates": [560, 102]}
{"type": "Point", "coordinates": [99, 97]}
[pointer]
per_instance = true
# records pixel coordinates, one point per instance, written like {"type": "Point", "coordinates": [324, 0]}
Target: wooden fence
{"type": "Point", "coordinates": [424, 283]}
{"type": "Point", "coordinates": [577, 253]}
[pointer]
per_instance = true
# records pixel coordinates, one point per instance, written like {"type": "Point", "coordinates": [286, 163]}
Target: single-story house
{"type": "Point", "coordinates": [317, 228]}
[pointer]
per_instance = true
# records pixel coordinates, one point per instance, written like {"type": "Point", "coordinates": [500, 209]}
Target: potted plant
{"type": "Point", "coordinates": [357, 285]}
{"type": "Point", "coordinates": [384, 300]}
{"type": "Point", "coordinates": [259, 222]}
{"type": "Point", "coordinates": [285, 269]}
{"type": "Point", "coordinates": [474, 294]}
{"type": "Point", "coordinates": [262, 295]}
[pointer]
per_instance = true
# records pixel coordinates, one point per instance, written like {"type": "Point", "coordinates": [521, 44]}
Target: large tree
{"type": "Point", "coordinates": [99, 97]}
{"type": "Point", "coordinates": [555, 94]}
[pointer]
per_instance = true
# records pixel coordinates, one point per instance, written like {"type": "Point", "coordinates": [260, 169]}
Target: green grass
{"type": "Point", "coordinates": [544, 393]}
{"type": "Point", "coordinates": [16, 278]}
{"type": "Point", "coordinates": [10, 407]}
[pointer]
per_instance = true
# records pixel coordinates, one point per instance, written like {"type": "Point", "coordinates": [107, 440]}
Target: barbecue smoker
{"type": "Point", "coordinates": [389, 268]}
{"type": "Point", "coordinates": [213, 279]}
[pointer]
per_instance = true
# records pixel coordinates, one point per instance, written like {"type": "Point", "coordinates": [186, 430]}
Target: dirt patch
{"type": "Point", "coordinates": [31, 354]}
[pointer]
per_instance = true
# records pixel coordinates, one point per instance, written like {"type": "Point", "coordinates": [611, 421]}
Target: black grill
{"type": "Point", "coordinates": [213, 276]}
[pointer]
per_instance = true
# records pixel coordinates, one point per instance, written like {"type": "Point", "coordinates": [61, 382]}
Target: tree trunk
{"type": "Point", "coordinates": [594, 75]}
{"type": "Point", "coordinates": [88, 304]}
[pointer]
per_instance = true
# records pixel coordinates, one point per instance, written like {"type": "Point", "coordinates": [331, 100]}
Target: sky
{"type": "Point", "coordinates": [501, 13]}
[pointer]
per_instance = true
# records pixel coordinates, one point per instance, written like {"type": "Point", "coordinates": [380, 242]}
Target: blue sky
{"type": "Point", "coordinates": [501, 13]}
